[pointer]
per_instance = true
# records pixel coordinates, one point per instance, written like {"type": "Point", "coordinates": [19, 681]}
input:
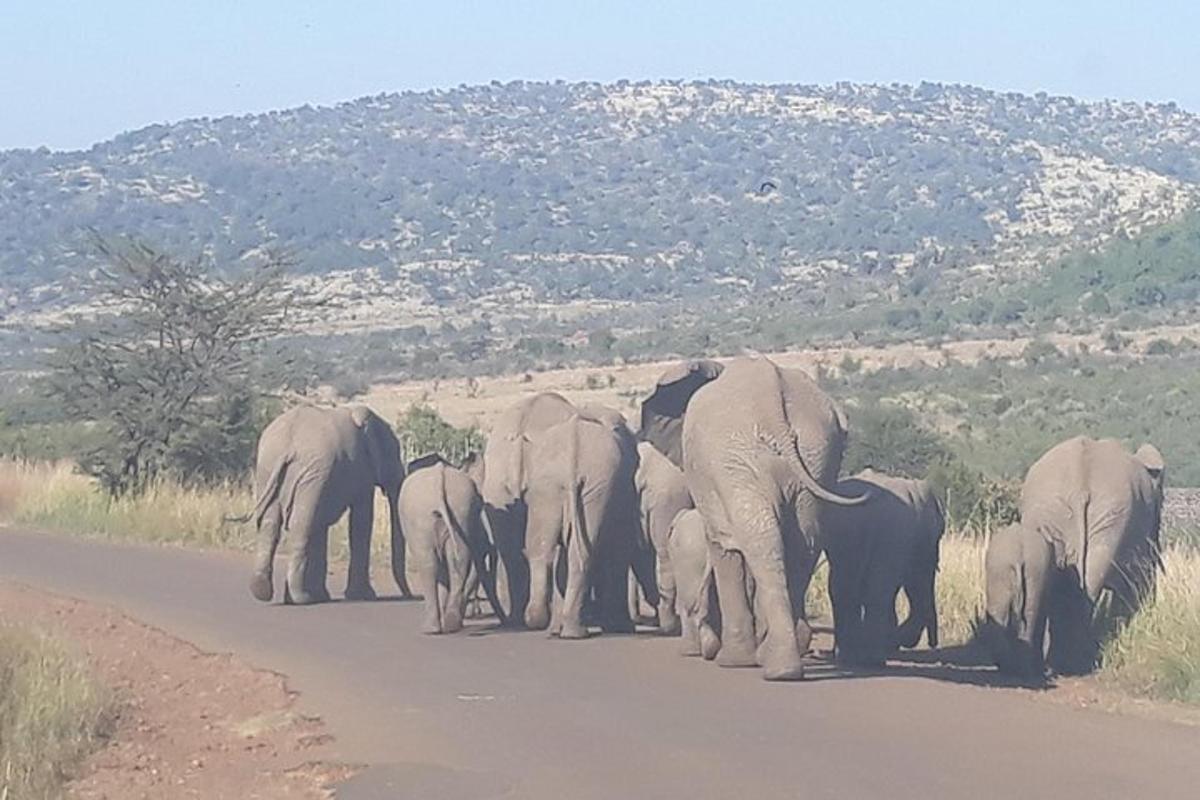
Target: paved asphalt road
{"type": "Point", "coordinates": [489, 714]}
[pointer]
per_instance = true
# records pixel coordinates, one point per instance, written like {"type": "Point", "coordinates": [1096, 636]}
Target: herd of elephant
{"type": "Point", "coordinates": [714, 511]}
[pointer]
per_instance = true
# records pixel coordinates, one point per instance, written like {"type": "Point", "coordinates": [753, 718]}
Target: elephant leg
{"type": "Point", "coordinates": [879, 614]}
{"type": "Point", "coordinates": [358, 579]}
{"type": "Point", "coordinates": [800, 559]}
{"type": "Point", "coordinates": [633, 597]}
{"type": "Point", "coordinates": [306, 562]}
{"type": "Point", "coordinates": [738, 643]}
{"type": "Point", "coordinates": [669, 619]}
{"type": "Point", "coordinates": [608, 569]}
{"type": "Point", "coordinates": [509, 529]}
{"type": "Point", "coordinates": [646, 579]}
{"type": "Point", "coordinates": [1073, 647]}
{"type": "Point", "coordinates": [577, 563]}
{"type": "Point", "coordinates": [270, 528]}
{"type": "Point", "coordinates": [458, 567]}
{"type": "Point", "coordinates": [764, 555]}
{"type": "Point", "coordinates": [847, 608]}
{"type": "Point", "coordinates": [427, 569]}
{"type": "Point", "coordinates": [543, 533]}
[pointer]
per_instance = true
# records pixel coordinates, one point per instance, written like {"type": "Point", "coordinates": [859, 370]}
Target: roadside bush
{"type": "Point", "coordinates": [422, 431]}
{"type": "Point", "coordinates": [53, 713]}
{"type": "Point", "coordinates": [891, 439]}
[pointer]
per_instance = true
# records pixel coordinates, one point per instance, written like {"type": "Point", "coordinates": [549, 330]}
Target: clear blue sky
{"type": "Point", "coordinates": [73, 73]}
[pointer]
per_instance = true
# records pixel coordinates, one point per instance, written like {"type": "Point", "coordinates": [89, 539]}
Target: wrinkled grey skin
{"type": "Point", "coordinates": [313, 464]}
{"type": "Point", "coordinates": [441, 513]}
{"type": "Point", "coordinates": [875, 549]}
{"type": "Point", "coordinates": [506, 467]}
{"type": "Point", "coordinates": [582, 525]}
{"type": "Point", "coordinates": [662, 495]}
{"type": "Point", "coordinates": [758, 445]}
{"type": "Point", "coordinates": [1090, 515]}
{"type": "Point", "coordinates": [696, 599]}
{"type": "Point", "coordinates": [687, 544]}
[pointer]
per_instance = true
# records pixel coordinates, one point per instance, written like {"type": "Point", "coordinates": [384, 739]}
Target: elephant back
{"type": "Point", "coordinates": [505, 457]}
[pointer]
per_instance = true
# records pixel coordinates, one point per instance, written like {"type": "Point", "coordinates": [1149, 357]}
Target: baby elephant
{"type": "Point", "coordinates": [888, 543]}
{"type": "Point", "coordinates": [442, 516]}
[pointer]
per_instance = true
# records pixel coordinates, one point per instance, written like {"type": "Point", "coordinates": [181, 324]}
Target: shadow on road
{"type": "Point", "coordinates": [963, 664]}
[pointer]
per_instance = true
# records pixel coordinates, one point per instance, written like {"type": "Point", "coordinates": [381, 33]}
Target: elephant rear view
{"type": "Point", "coordinates": [313, 464]}
{"type": "Point", "coordinates": [1097, 509]}
{"type": "Point", "coordinates": [662, 495]}
{"type": "Point", "coordinates": [506, 466]}
{"type": "Point", "coordinates": [442, 516]}
{"type": "Point", "coordinates": [758, 445]}
{"type": "Point", "coordinates": [582, 504]}
{"type": "Point", "coordinates": [890, 542]}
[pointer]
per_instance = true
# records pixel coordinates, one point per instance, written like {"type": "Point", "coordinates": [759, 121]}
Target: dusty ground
{"type": "Point", "coordinates": [189, 723]}
{"type": "Point", "coordinates": [479, 401]}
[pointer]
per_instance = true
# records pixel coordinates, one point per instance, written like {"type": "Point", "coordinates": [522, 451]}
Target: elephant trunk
{"type": "Point", "coordinates": [399, 568]}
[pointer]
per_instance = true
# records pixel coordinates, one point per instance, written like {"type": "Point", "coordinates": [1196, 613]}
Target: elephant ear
{"type": "Point", "coordinates": [1152, 460]}
{"type": "Point", "coordinates": [663, 410]}
{"type": "Point", "coordinates": [382, 447]}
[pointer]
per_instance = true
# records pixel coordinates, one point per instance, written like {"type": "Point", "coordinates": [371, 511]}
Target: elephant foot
{"type": "Point", "coordinates": [537, 619]}
{"type": "Point", "coordinates": [793, 672]}
{"type": "Point", "coordinates": [572, 630]}
{"type": "Point", "coordinates": [452, 624]}
{"type": "Point", "coordinates": [710, 643]}
{"type": "Point", "coordinates": [361, 593]}
{"type": "Point", "coordinates": [302, 598]}
{"type": "Point", "coordinates": [737, 654]}
{"type": "Point", "coordinates": [669, 623]}
{"type": "Point", "coordinates": [261, 588]}
{"type": "Point", "coordinates": [431, 628]}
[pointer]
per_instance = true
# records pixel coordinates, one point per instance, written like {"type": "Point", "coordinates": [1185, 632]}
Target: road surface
{"type": "Point", "coordinates": [492, 714]}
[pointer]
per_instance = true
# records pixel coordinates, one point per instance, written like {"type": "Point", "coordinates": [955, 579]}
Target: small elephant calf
{"type": "Point", "coordinates": [890, 542]}
{"type": "Point", "coordinates": [442, 516]}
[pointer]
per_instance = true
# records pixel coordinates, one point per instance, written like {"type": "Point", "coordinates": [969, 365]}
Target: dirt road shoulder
{"type": "Point", "coordinates": [190, 723]}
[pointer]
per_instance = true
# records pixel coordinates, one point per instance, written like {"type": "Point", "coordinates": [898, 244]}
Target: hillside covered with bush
{"type": "Point", "coordinates": [630, 191]}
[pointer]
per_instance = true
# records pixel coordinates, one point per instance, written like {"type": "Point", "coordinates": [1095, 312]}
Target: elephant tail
{"type": "Point", "coordinates": [789, 451]}
{"type": "Point", "coordinates": [454, 526]}
{"type": "Point", "coordinates": [268, 493]}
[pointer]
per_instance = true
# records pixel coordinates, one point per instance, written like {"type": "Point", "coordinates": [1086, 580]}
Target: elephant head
{"type": "Point", "coordinates": [1019, 568]}
{"type": "Point", "coordinates": [663, 411]}
{"type": "Point", "coordinates": [387, 467]}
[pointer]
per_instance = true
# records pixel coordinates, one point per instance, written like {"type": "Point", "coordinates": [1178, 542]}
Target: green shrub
{"type": "Point", "coordinates": [422, 431]}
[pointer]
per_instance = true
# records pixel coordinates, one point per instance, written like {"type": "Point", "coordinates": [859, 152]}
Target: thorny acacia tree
{"type": "Point", "coordinates": [171, 367]}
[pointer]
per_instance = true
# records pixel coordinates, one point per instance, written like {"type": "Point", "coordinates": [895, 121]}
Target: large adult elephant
{"type": "Point", "coordinates": [1088, 543]}
{"type": "Point", "coordinates": [442, 516]}
{"type": "Point", "coordinates": [582, 523]}
{"type": "Point", "coordinates": [506, 466]}
{"type": "Point", "coordinates": [889, 543]}
{"type": "Point", "coordinates": [758, 445]}
{"type": "Point", "coordinates": [662, 495]}
{"type": "Point", "coordinates": [313, 464]}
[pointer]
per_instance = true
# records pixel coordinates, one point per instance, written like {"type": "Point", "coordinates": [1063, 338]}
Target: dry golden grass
{"type": "Point", "coordinates": [52, 714]}
{"type": "Point", "coordinates": [57, 497]}
{"type": "Point", "coordinates": [1158, 654]}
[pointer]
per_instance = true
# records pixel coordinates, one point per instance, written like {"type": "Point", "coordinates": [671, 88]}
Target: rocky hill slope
{"type": "Point", "coordinates": [528, 194]}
